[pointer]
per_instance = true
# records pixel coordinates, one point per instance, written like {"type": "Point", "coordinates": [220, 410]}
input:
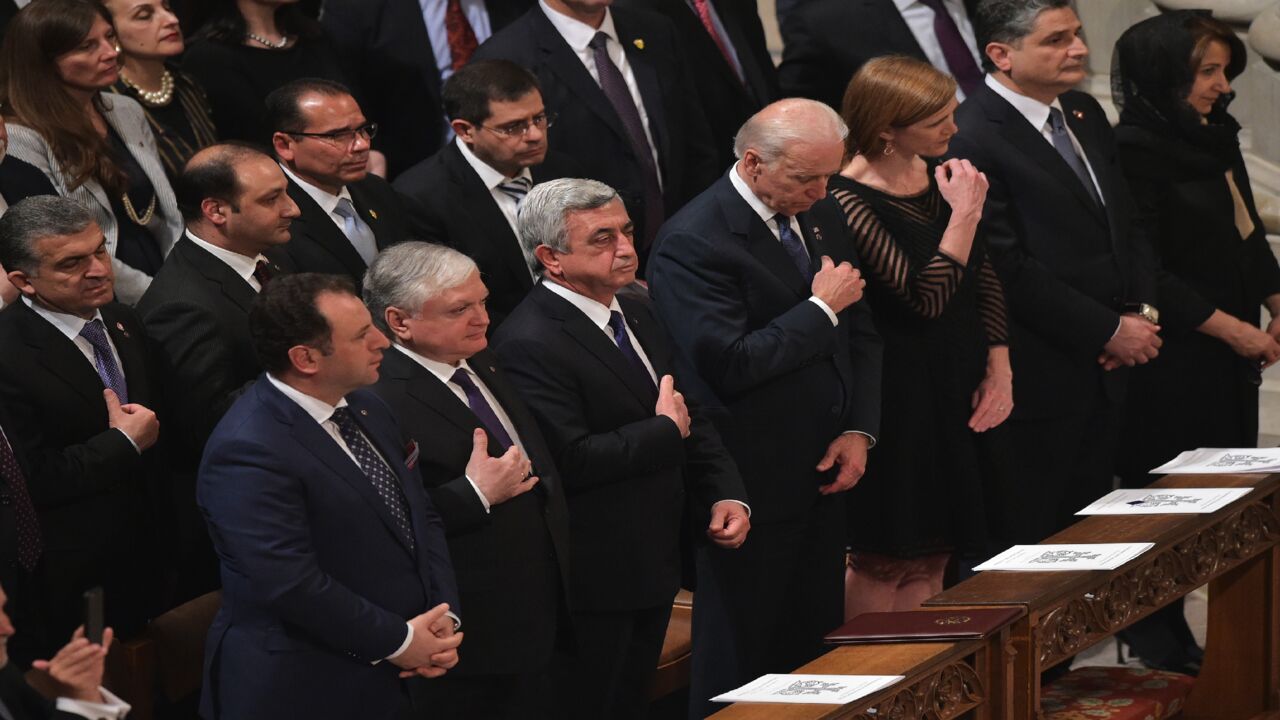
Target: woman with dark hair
{"type": "Point", "coordinates": [57, 60]}
{"type": "Point", "coordinates": [940, 308]}
{"type": "Point", "coordinates": [149, 37]}
{"type": "Point", "coordinates": [246, 49]}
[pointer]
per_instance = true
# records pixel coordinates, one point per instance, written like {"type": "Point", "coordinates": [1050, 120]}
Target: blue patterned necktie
{"type": "Point", "coordinates": [357, 231]}
{"type": "Point", "coordinates": [1062, 143]}
{"type": "Point", "coordinates": [794, 247]}
{"type": "Point", "coordinates": [481, 408]}
{"type": "Point", "coordinates": [622, 339]}
{"type": "Point", "coordinates": [103, 359]}
{"type": "Point", "coordinates": [380, 476]}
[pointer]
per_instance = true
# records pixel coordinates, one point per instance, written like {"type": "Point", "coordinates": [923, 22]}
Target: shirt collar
{"type": "Point", "coordinates": [325, 200]}
{"type": "Point", "coordinates": [67, 324]}
{"type": "Point", "coordinates": [1036, 112]}
{"type": "Point", "coordinates": [595, 312]}
{"type": "Point", "coordinates": [319, 410]}
{"type": "Point", "coordinates": [443, 371]}
{"type": "Point", "coordinates": [575, 32]}
{"type": "Point", "coordinates": [488, 175]}
{"type": "Point", "coordinates": [241, 265]}
{"type": "Point", "coordinates": [765, 212]}
{"type": "Point", "coordinates": [904, 4]}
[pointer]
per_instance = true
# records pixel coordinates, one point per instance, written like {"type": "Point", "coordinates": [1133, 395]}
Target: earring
{"type": "Point", "coordinates": [888, 148]}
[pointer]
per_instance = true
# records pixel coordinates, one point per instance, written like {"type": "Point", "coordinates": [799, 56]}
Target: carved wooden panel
{"type": "Point", "coordinates": [947, 694]}
{"type": "Point", "coordinates": [1086, 619]}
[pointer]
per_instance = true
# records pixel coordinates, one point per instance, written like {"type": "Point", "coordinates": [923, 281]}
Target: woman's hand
{"type": "Point", "coordinates": [993, 400]}
{"type": "Point", "coordinates": [963, 187]}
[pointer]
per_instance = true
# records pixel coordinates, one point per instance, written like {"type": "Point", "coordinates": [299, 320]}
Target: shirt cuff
{"type": "Point", "coordinates": [871, 439]}
{"type": "Point", "coordinates": [408, 638]}
{"type": "Point", "coordinates": [483, 500]}
{"type": "Point", "coordinates": [113, 709]}
{"type": "Point", "coordinates": [744, 505]}
{"type": "Point", "coordinates": [826, 309]}
{"type": "Point", "coordinates": [131, 442]}
{"type": "Point", "coordinates": [457, 621]}
{"type": "Point", "coordinates": [1119, 324]}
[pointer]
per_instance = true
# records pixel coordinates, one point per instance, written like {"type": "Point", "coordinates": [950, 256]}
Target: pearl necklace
{"type": "Point", "coordinates": [284, 40]}
{"type": "Point", "coordinates": [153, 98]}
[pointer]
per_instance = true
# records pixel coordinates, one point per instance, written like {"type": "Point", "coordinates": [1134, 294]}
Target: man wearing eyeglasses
{"type": "Point", "coordinates": [321, 138]}
{"type": "Point", "coordinates": [467, 195]}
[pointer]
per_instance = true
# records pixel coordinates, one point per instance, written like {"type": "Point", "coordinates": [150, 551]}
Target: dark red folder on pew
{"type": "Point", "coordinates": [925, 625]}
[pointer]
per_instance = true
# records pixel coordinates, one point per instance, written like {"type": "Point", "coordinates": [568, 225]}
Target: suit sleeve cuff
{"type": "Point", "coordinates": [826, 309]}
{"type": "Point", "coordinates": [408, 638]}
{"type": "Point", "coordinates": [112, 708]}
{"type": "Point", "coordinates": [871, 439]}
{"type": "Point", "coordinates": [131, 442]}
{"type": "Point", "coordinates": [483, 500]}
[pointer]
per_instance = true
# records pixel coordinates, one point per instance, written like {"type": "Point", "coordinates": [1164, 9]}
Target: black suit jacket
{"type": "Point", "coordinates": [8, 509]}
{"type": "Point", "coordinates": [197, 311]}
{"type": "Point", "coordinates": [387, 50]}
{"type": "Point", "coordinates": [727, 100]}
{"type": "Point", "coordinates": [588, 129]}
{"type": "Point", "coordinates": [1067, 265]}
{"type": "Point", "coordinates": [448, 204]}
{"type": "Point", "coordinates": [826, 41]}
{"type": "Point", "coordinates": [90, 487]}
{"type": "Point", "coordinates": [779, 380]}
{"type": "Point", "coordinates": [316, 244]}
{"type": "Point", "coordinates": [625, 469]}
{"type": "Point", "coordinates": [512, 563]}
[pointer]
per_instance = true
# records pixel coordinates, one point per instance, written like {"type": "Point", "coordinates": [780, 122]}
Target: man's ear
{"type": "Point", "coordinates": [550, 260]}
{"type": "Point", "coordinates": [999, 54]}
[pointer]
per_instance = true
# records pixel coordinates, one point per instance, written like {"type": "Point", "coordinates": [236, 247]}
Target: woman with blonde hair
{"type": "Point", "coordinates": [940, 308]}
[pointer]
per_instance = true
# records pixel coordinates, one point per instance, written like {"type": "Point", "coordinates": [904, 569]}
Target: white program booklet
{"type": "Point", "coordinates": [1085, 556]}
{"type": "Point", "coordinates": [808, 689]}
{"type": "Point", "coordinates": [1223, 460]}
{"type": "Point", "coordinates": [1159, 501]}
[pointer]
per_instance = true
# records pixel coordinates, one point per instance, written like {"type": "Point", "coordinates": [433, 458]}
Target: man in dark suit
{"type": "Point", "coordinates": [618, 82]}
{"type": "Point", "coordinates": [238, 212]}
{"type": "Point", "coordinates": [76, 671]}
{"type": "Point", "coordinates": [826, 41]}
{"type": "Point", "coordinates": [761, 297]}
{"type": "Point", "coordinates": [77, 370]}
{"type": "Point", "coordinates": [347, 214]}
{"type": "Point", "coordinates": [400, 52]}
{"type": "Point", "coordinates": [466, 196]}
{"type": "Point", "coordinates": [596, 369]}
{"type": "Point", "coordinates": [733, 73]}
{"type": "Point", "coordinates": [487, 469]}
{"type": "Point", "coordinates": [335, 574]}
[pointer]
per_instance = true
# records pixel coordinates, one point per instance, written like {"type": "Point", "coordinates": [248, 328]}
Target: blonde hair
{"type": "Point", "coordinates": [893, 91]}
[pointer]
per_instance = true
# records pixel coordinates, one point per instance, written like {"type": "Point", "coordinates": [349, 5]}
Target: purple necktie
{"type": "Point", "coordinates": [619, 95]}
{"type": "Point", "coordinates": [481, 408]}
{"type": "Point", "coordinates": [794, 247]}
{"type": "Point", "coordinates": [29, 542]}
{"type": "Point", "coordinates": [954, 49]}
{"type": "Point", "coordinates": [623, 340]}
{"type": "Point", "coordinates": [103, 359]}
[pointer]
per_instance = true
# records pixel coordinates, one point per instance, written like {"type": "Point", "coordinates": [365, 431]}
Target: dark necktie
{"type": "Point", "coordinates": [262, 273]}
{"type": "Point", "coordinates": [622, 339]}
{"type": "Point", "coordinates": [954, 49]}
{"type": "Point", "coordinates": [794, 247]}
{"type": "Point", "coordinates": [481, 408]}
{"type": "Point", "coordinates": [516, 189]}
{"type": "Point", "coordinates": [383, 480]}
{"type": "Point", "coordinates": [619, 96]}
{"type": "Point", "coordinates": [29, 542]}
{"type": "Point", "coordinates": [104, 360]}
{"type": "Point", "coordinates": [1062, 143]}
{"type": "Point", "coordinates": [703, 9]}
{"type": "Point", "coordinates": [461, 36]}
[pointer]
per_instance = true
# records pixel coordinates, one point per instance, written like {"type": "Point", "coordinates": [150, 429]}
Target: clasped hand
{"type": "Point", "coordinates": [434, 648]}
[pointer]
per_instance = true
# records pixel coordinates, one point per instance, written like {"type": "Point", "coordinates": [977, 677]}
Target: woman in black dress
{"type": "Point", "coordinates": [940, 308]}
{"type": "Point", "coordinates": [1180, 152]}
{"type": "Point", "coordinates": [175, 104]}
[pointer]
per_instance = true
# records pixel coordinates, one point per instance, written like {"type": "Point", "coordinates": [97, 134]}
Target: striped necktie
{"type": "Point", "coordinates": [516, 188]}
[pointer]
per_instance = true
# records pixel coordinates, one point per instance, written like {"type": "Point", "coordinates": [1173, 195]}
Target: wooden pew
{"type": "Point", "coordinates": [1233, 550]}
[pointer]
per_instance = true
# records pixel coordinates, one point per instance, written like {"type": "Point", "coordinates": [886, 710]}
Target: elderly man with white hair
{"type": "Point", "coordinates": [761, 296]}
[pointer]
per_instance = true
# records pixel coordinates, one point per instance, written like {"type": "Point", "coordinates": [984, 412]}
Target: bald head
{"type": "Point", "coordinates": [786, 122]}
{"type": "Point", "coordinates": [788, 151]}
{"type": "Point", "coordinates": [235, 196]}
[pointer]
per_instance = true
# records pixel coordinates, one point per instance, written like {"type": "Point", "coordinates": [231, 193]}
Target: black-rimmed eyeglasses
{"type": "Point", "coordinates": [343, 138]}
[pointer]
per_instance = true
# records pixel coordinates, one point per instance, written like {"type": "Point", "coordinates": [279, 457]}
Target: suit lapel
{"type": "Point", "coordinates": [759, 239]}
{"type": "Point", "coordinates": [1081, 128]}
{"type": "Point", "coordinates": [592, 339]}
{"type": "Point", "coordinates": [646, 79]}
{"type": "Point", "coordinates": [237, 290]}
{"type": "Point", "coordinates": [316, 224]}
{"type": "Point", "coordinates": [487, 221]}
{"type": "Point", "coordinates": [132, 351]}
{"type": "Point", "coordinates": [60, 355]}
{"type": "Point", "coordinates": [565, 64]}
{"type": "Point", "coordinates": [372, 213]}
{"type": "Point", "coordinates": [891, 23]}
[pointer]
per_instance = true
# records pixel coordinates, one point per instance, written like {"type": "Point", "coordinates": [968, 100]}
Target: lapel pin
{"type": "Point", "coordinates": [817, 233]}
{"type": "Point", "coordinates": [364, 412]}
{"type": "Point", "coordinates": [493, 369]}
{"type": "Point", "coordinates": [373, 214]}
{"type": "Point", "coordinates": [1078, 113]}
{"type": "Point", "coordinates": [120, 327]}
{"type": "Point", "coordinates": [639, 43]}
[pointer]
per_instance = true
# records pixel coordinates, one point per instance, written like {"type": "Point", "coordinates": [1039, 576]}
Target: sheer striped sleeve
{"type": "Point", "coordinates": [991, 305]}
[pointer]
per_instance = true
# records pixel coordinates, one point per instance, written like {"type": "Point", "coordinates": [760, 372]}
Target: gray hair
{"type": "Point", "coordinates": [779, 125]}
{"type": "Point", "coordinates": [408, 274]}
{"type": "Point", "coordinates": [544, 214]}
{"type": "Point", "coordinates": [34, 219]}
{"type": "Point", "coordinates": [1008, 22]}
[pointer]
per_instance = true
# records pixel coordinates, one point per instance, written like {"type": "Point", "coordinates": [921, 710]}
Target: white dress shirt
{"type": "Point", "coordinates": [919, 19]}
{"type": "Point", "coordinates": [1037, 113]}
{"type": "Point", "coordinates": [599, 315]}
{"type": "Point", "coordinates": [444, 373]}
{"type": "Point", "coordinates": [112, 709]}
{"type": "Point", "coordinates": [766, 214]}
{"type": "Point", "coordinates": [433, 15]}
{"type": "Point", "coordinates": [492, 179]}
{"type": "Point", "coordinates": [241, 265]}
{"type": "Point", "coordinates": [578, 35]}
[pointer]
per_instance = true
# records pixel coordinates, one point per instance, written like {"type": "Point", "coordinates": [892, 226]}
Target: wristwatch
{"type": "Point", "coordinates": [1144, 311]}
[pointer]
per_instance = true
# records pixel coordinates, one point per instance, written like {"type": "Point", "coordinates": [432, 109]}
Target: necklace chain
{"type": "Point", "coordinates": [153, 98]}
{"type": "Point", "coordinates": [284, 40]}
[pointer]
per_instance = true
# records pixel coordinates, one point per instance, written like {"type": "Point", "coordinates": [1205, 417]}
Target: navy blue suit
{"type": "Point", "coordinates": [317, 584]}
